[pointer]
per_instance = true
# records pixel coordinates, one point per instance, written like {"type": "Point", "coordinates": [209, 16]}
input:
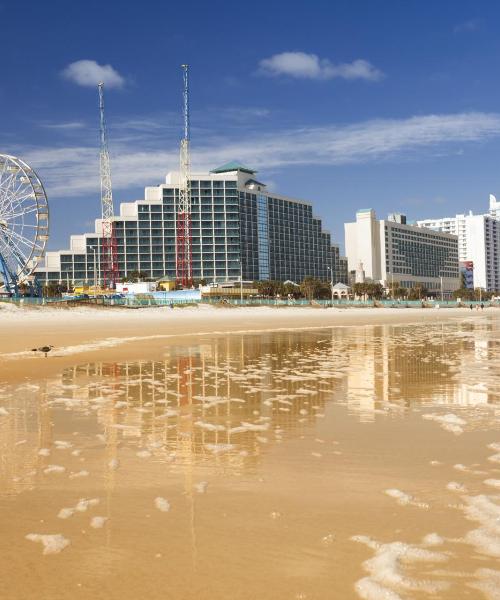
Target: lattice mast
{"type": "Point", "coordinates": [184, 262]}
{"type": "Point", "coordinates": [109, 259]}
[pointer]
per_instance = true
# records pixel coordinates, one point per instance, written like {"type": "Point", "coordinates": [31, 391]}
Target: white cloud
{"type": "Point", "coordinates": [89, 73]}
{"type": "Point", "coordinates": [70, 125]}
{"type": "Point", "coordinates": [309, 66]}
{"type": "Point", "coordinates": [467, 26]}
{"type": "Point", "coordinates": [136, 163]}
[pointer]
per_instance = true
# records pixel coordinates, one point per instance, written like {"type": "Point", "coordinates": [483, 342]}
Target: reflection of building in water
{"type": "Point", "coordinates": [223, 399]}
{"type": "Point", "coordinates": [25, 430]}
{"type": "Point", "coordinates": [404, 365]}
{"type": "Point", "coordinates": [479, 368]}
{"type": "Point", "coordinates": [366, 375]}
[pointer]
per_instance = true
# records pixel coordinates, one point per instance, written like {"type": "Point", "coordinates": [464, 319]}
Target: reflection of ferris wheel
{"type": "Point", "coordinates": [24, 221]}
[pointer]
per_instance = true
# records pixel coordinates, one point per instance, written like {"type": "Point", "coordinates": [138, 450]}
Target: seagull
{"type": "Point", "coordinates": [44, 349]}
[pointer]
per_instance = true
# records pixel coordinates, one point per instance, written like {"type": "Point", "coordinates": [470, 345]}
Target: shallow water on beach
{"type": "Point", "coordinates": [352, 462]}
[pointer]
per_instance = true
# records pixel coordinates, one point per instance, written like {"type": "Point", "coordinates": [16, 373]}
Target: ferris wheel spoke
{"type": "Point", "coordinates": [22, 225]}
{"type": "Point", "coordinates": [13, 215]}
{"type": "Point", "coordinates": [13, 254]}
{"type": "Point", "coordinates": [11, 234]}
{"type": "Point", "coordinates": [5, 189]}
{"type": "Point", "coordinates": [24, 192]}
{"type": "Point", "coordinates": [17, 257]}
{"type": "Point", "coordinates": [18, 241]}
{"type": "Point", "coordinates": [17, 198]}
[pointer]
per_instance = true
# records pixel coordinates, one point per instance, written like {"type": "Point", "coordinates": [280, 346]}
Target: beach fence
{"type": "Point", "coordinates": [169, 299]}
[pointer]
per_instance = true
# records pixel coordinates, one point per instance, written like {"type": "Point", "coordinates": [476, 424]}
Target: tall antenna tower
{"type": "Point", "coordinates": [184, 263]}
{"type": "Point", "coordinates": [109, 259]}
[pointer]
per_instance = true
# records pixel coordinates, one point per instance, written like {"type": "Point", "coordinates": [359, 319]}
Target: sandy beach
{"type": "Point", "coordinates": [279, 454]}
{"type": "Point", "coordinates": [86, 331]}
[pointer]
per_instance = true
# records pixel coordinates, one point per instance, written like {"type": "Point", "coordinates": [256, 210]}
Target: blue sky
{"type": "Point", "coordinates": [391, 105]}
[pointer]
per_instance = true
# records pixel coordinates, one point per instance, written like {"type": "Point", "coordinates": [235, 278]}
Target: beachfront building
{"type": "Point", "coordinates": [393, 251]}
{"type": "Point", "coordinates": [478, 244]}
{"type": "Point", "coordinates": [239, 228]}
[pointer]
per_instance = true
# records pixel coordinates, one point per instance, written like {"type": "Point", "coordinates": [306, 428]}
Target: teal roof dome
{"type": "Point", "coordinates": [233, 166]}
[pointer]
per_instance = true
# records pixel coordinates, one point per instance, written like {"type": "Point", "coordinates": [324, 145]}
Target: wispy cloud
{"type": "Point", "coordinates": [73, 170]}
{"type": "Point", "coordinates": [70, 125]}
{"type": "Point", "coordinates": [467, 26]}
{"type": "Point", "coordinates": [89, 73]}
{"type": "Point", "coordinates": [301, 65]}
{"type": "Point", "coordinates": [425, 201]}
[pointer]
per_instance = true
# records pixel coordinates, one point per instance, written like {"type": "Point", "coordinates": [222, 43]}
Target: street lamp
{"type": "Point", "coordinates": [95, 272]}
{"type": "Point", "coordinates": [331, 284]}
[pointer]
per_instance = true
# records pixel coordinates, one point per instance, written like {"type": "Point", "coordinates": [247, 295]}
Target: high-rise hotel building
{"type": "Point", "coordinates": [391, 250]}
{"type": "Point", "coordinates": [237, 226]}
{"type": "Point", "coordinates": [478, 243]}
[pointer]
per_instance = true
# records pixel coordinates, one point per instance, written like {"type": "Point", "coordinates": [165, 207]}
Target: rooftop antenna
{"type": "Point", "coordinates": [184, 267]}
{"type": "Point", "coordinates": [109, 259]}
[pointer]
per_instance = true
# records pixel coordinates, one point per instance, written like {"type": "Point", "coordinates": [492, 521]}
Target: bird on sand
{"type": "Point", "coordinates": [44, 349]}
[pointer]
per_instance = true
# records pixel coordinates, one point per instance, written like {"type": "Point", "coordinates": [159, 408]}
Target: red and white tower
{"type": "Point", "coordinates": [109, 259]}
{"type": "Point", "coordinates": [184, 260]}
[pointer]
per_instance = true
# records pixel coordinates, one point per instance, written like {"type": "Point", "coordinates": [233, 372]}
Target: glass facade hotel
{"type": "Point", "coordinates": [236, 225]}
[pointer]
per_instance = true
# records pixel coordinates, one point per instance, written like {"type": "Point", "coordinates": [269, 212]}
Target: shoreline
{"type": "Point", "coordinates": [93, 334]}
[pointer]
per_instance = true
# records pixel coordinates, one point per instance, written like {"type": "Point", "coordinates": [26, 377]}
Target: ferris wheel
{"type": "Point", "coordinates": [24, 221]}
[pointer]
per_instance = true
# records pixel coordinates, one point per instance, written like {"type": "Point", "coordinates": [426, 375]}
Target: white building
{"type": "Point", "coordinates": [393, 251]}
{"type": "Point", "coordinates": [478, 242]}
{"type": "Point", "coordinates": [494, 207]}
{"type": "Point", "coordinates": [239, 228]}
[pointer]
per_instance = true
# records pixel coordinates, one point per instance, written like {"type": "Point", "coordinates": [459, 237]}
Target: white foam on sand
{"type": "Point", "coordinates": [371, 590]}
{"type": "Point", "coordinates": [98, 522]}
{"type": "Point", "coordinates": [492, 483]}
{"type": "Point", "coordinates": [488, 584]}
{"type": "Point", "coordinates": [52, 543]}
{"type": "Point", "coordinates": [485, 511]}
{"type": "Point", "coordinates": [61, 445]}
{"type": "Point", "coordinates": [449, 422]}
{"type": "Point", "coordinates": [209, 426]}
{"type": "Point", "coordinates": [162, 504]}
{"type": "Point", "coordinates": [81, 506]}
{"type": "Point", "coordinates": [79, 474]}
{"type": "Point", "coordinates": [85, 503]}
{"type": "Point", "coordinates": [201, 487]}
{"type": "Point", "coordinates": [387, 577]}
{"type": "Point", "coordinates": [143, 453]}
{"type": "Point", "coordinates": [219, 448]}
{"type": "Point", "coordinates": [432, 539]}
{"type": "Point", "coordinates": [54, 469]}
{"type": "Point", "coordinates": [404, 499]}
{"type": "Point", "coordinates": [454, 486]}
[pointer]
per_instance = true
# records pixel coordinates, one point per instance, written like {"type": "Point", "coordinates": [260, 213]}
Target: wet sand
{"type": "Point", "coordinates": [85, 331]}
{"type": "Point", "coordinates": [342, 462]}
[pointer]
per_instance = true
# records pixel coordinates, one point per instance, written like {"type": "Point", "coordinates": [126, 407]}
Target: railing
{"type": "Point", "coordinates": [137, 302]}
